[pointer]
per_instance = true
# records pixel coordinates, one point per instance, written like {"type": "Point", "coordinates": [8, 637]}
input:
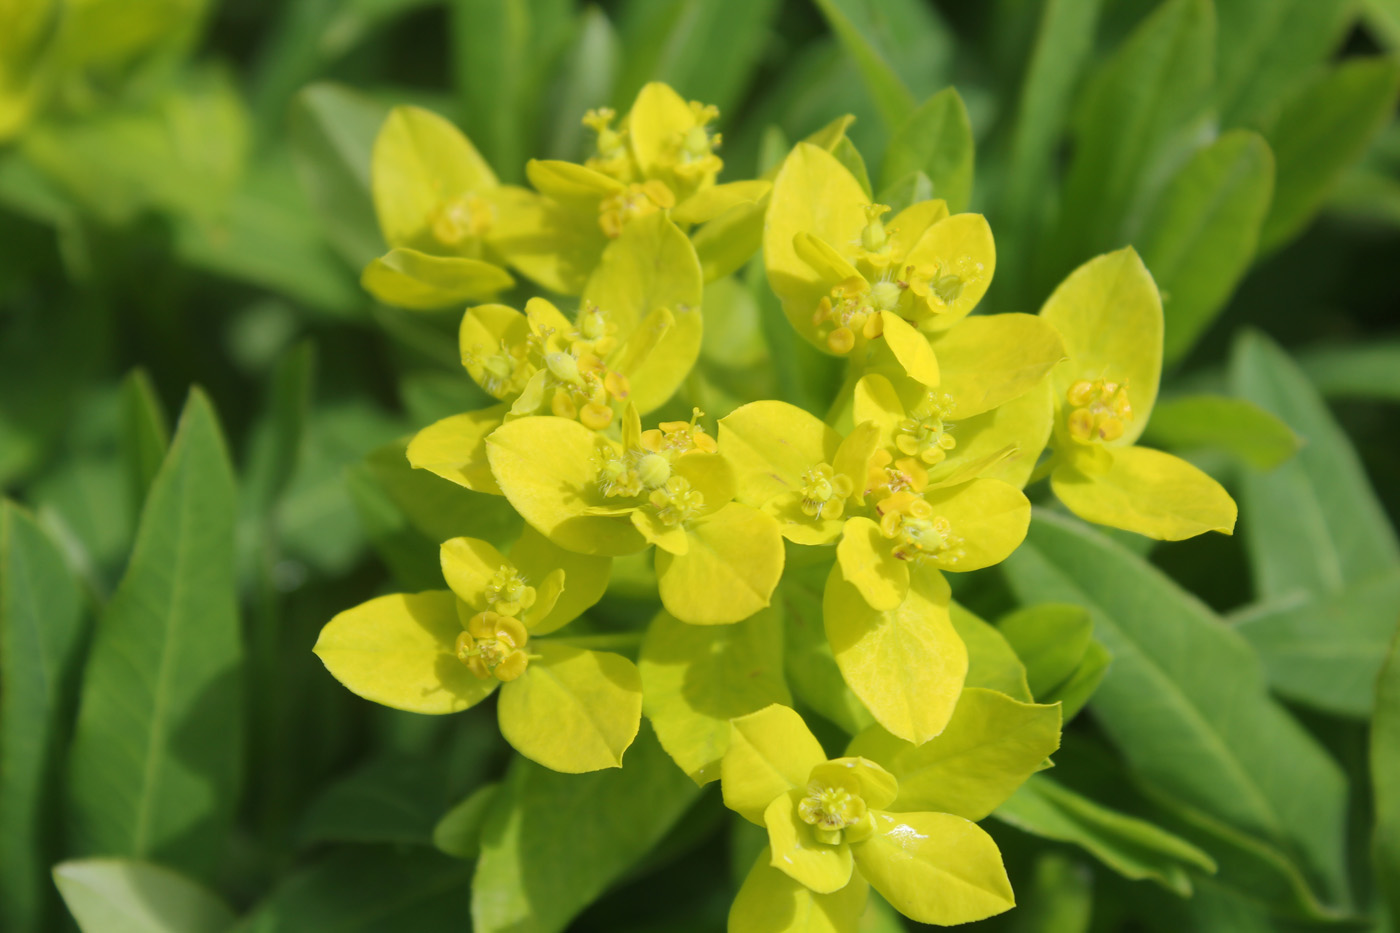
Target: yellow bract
{"type": "Point", "coordinates": [1110, 315]}
{"type": "Point", "coordinates": [828, 831]}
{"type": "Point", "coordinates": [565, 707]}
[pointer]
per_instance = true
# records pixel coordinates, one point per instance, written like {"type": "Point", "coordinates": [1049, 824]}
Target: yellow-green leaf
{"type": "Point", "coordinates": [420, 160]}
{"type": "Point", "coordinates": [729, 571]}
{"type": "Point", "coordinates": [407, 278]}
{"type": "Point", "coordinates": [1109, 314]}
{"type": "Point", "coordinates": [989, 516]}
{"type": "Point", "coordinates": [935, 868]}
{"type": "Point", "coordinates": [959, 242]}
{"type": "Point", "coordinates": [866, 560]}
{"type": "Point", "coordinates": [770, 444]}
{"type": "Point", "coordinates": [906, 664]}
{"type": "Point", "coordinates": [585, 578]}
{"type": "Point", "coordinates": [1149, 492]}
{"type": "Point", "coordinates": [796, 852]}
{"type": "Point", "coordinates": [573, 710]}
{"type": "Point", "coordinates": [991, 745]}
{"type": "Point", "coordinates": [545, 468]}
{"type": "Point", "coordinates": [911, 348]}
{"type": "Point", "coordinates": [455, 448]}
{"type": "Point", "coordinates": [990, 359]}
{"type": "Point", "coordinates": [696, 678]}
{"type": "Point", "coordinates": [770, 752]}
{"type": "Point", "coordinates": [772, 902]}
{"type": "Point", "coordinates": [399, 650]}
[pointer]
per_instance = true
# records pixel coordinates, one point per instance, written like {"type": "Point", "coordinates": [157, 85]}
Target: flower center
{"type": "Point", "coordinates": [463, 217]}
{"type": "Point", "coordinates": [676, 502]}
{"type": "Point", "coordinates": [848, 309]}
{"type": "Point", "coordinates": [1100, 410]}
{"type": "Point", "coordinates": [695, 156]}
{"type": "Point", "coordinates": [942, 284]}
{"type": "Point", "coordinates": [493, 646]}
{"type": "Point", "coordinates": [873, 237]}
{"type": "Point", "coordinates": [636, 200]}
{"type": "Point", "coordinates": [918, 533]}
{"type": "Point", "coordinates": [824, 492]}
{"type": "Point", "coordinates": [508, 594]}
{"type": "Point", "coordinates": [925, 434]}
{"type": "Point", "coordinates": [829, 810]}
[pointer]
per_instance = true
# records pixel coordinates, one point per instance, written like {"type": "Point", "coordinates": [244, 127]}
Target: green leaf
{"type": "Point", "coordinates": [367, 889]}
{"type": "Point", "coordinates": [157, 750]}
{"type": "Point", "coordinates": [1368, 371]}
{"type": "Point", "coordinates": [502, 54]}
{"type": "Point", "coordinates": [145, 432]}
{"type": "Point", "coordinates": [891, 95]}
{"type": "Point", "coordinates": [276, 448]}
{"type": "Point", "coordinates": [1137, 101]}
{"type": "Point", "coordinates": [1267, 48]}
{"type": "Point", "coordinates": [1326, 651]}
{"type": "Point", "coordinates": [41, 636]}
{"type": "Point", "coordinates": [1383, 18]}
{"type": "Point", "coordinates": [1050, 639]}
{"type": "Point", "coordinates": [707, 50]}
{"type": "Point", "coordinates": [458, 833]}
{"type": "Point", "coordinates": [935, 139]}
{"type": "Point", "coordinates": [1200, 235]}
{"type": "Point", "coordinates": [1385, 766]}
{"type": "Point", "coordinates": [332, 130]}
{"type": "Point", "coordinates": [1319, 134]}
{"type": "Point", "coordinates": [992, 662]}
{"type": "Point", "coordinates": [1059, 899]}
{"type": "Point", "coordinates": [127, 896]}
{"type": "Point", "coordinates": [1063, 43]}
{"type": "Point", "coordinates": [1075, 692]}
{"type": "Point", "coordinates": [808, 661]}
{"type": "Point", "coordinates": [695, 678]}
{"type": "Point", "coordinates": [910, 189]}
{"type": "Point", "coordinates": [586, 78]}
{"type": "Point", "coordinates": [394, 799]}
{"type": "Point", "coordinates": [1186, 704]}
{"type": "Point", "coordinates": [1239, 427]}
{"type": "Point", "coordinates": [1315, 526]}
{"type": "Point", "coordinates": [990, 747]}
{"type": "Point", "coordinates": [554, 842]}
{"type": "Point", "coordinates": [1130, 846]}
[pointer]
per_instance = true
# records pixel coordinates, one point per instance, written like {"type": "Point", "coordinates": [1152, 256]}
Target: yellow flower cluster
{"type": "Point", "coordinates": [917, 469]}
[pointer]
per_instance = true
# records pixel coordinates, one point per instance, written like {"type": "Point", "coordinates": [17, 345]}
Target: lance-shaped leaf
{"type": "Point", "coordinates": [127, 896]}
{"type": "Point", "coordinates": [1259, 438]}
{"type": "Point", "coordinates": [936, 139]}
{"type": "Point", "coordinates": [156, 755]}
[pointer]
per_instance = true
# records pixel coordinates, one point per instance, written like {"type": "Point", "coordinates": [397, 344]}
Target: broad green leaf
{"type": "Point", "coordinates": [808, 661]}
{"type": "Point", "coordinates": [1152, 85]}
{"type": "Point", "coordinates": [1323, 130]}
{"type": "Point", "coordinates": [502, 56]}
{"type": "Point", "coordinates": [695, 678]}
{"type": "Point", "coordinates": [458, 832]}
{"type": "Point", "coordinates": [394, 799]}
{"type": "Point", "coordinates": [1063, 43]}
{"type": "Point", "coordinates": [1326, 651]}
{"type": "Point", "coordinates": [913, 188]}
{"type": "Point", "coordinates": [366, 889]}
{"type": "Point", "coordinates": [1059, 898]}
{"type": "Point", "coordinates": [127, 896]}
{"type": "Point", "coordinates": [907, 664]}
{"type": "Point", "coordinates": [1050, 639]}
{"type": "Point", "coordinates": [157, 751]}
{"type": "Point", "coordinates": [935, 139]}
{"type": "Point", "coordinates": [1385, 765]}
{"type": "Point", "coordinates": [891, 95]}
{"type": "Point", "coordinates": [554, 842]}
{"type": "Point", "coordinates": [332, 130]}
{"type": "Point", "coordinates": [1076, 691]}
{"type": "Point", "coordinates": [990, 746]}
{"type": "Point", "coordinates": [706, 49]}
{"type": "Point", "coordinates": [1130, 846]}
{"type": "Point", "coordinates": [992, 662]}
{"type": "Point", "coordinates": [1383, 16]}
{"type": "Point", "coordinates": [935, 868]}
{"type": "Point", "coordinates": [1315, 526]}
{"type": "Point", "coordinates": [1219, 422]}
{"type": "Point", "coordinates": [1200, 235]}
{"type": "Point", "coordinates": [145, 432]}
{"type": "Point", "coordinates": [1267, 48]}
{"type": "Point", "coordinates": [41, 635]}
{"type": "Point", "coordinates": [1369, 370]}
{"type": "Point", "coordinates": [1186, 704]}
